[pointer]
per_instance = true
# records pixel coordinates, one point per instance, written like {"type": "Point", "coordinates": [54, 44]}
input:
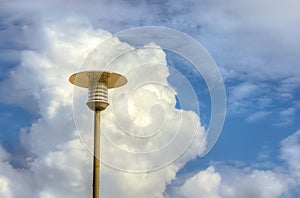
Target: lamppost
{"type": "Point", "coordinates": [98, 82]}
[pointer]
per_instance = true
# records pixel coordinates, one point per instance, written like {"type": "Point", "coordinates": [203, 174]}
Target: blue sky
{"type": "Point", "coordinates": [255, 45]}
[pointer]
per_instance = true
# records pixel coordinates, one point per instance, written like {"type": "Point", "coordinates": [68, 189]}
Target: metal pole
{"type": "Point", "coordinates": [96, 167]}
{"type": "Point", "coordinates": [97, 82]}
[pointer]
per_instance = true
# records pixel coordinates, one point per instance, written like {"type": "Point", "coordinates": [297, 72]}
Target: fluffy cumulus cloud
{"type": "Point", "coordinates": [251, 41]}
{"type": "Point", "coordinates": [233, 182]}
{"type": "Point", "coordinates": [58, 163]}
{"type": "Point", "coordinates": [13, 182]}
{"type": "Point", "coordinates": [205, 184]}
{"type": "Point", "coordinates": [256, 183]}
{"type": "Point", "coordinates": [239, 180]}
{"type": "Point", "coordinates": [290, 153]}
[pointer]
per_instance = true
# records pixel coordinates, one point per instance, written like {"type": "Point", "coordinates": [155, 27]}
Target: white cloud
{"type": "Point", "coordinates": [4, 155]}
{"type": "Point", "coordinates": [5, 183]}
{"type": "Point", "coordinates": [286, 116]}
{"type": "Point", "coordinates": [244, 90]}
{"type": "Point", "coordinates": [250, 50]}
{"type": "Point", "coordinates": [204, 184]}
{"type": "Point", "coordinates": [256, 183]}
{"type": "Point", "coordinates": [240, 96]}
{"type": "Point", "coordinates": [14, 182]}
{"type": "Point", "coordinates": [250, 41]}
{"type": "Point", "coordinates": [257, 115]}
{"type": "Point", "coordinates": [290, 148]}
{"type": "Point", "coordinates": [60, 166]}
{"type": "Point", "coordinates": [288, 112]}
{"type": "Point", "coordinates": [238, 180]}
{"type": "Point", "coordinates": [65, 172]}
{"type": "Point", "coordinates": [234, 182]}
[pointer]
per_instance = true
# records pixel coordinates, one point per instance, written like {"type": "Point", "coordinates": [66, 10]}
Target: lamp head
{"type": "Point", "coordinates": [98, 82]}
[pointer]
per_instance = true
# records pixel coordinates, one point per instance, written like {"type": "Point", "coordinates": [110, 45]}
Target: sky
{"type": "Point", "coordinates": [161, 145]}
